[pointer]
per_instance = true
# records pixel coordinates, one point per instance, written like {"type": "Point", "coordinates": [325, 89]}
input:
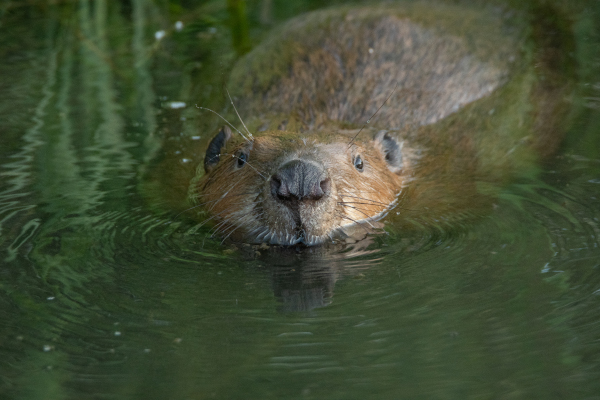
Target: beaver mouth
{"type": "Point", "coordinates": [299, 233]}
{"type": "Point", "coordinates": [298, 236]}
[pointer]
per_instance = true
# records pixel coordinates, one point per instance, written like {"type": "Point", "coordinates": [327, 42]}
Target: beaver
{"type": "Point", "coordinates": [360, 110]}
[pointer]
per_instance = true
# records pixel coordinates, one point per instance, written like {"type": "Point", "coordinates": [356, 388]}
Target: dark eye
{"type": "Point", "coordinates": [241, 159]}
{"type": "Point", "coordinates": [358, 163]}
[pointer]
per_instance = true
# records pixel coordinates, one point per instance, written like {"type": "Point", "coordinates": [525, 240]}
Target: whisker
{"type": "Point", "coordinates": [357, 209]}
{"type": "Point", "coordinates": [369, 191]}
{"type": "Point", "coordinates": [231, 232]}
{"type": "Point", "coordinates": [188, 209]}
{"type": "Point", "coordinates": [207, 220]}
{"type": "Point", "coordinates": [217, 228]}
{"type": "Point", "coordinates": [213, 216]}
{"type": "Point", "coordinates": [206, 202]}
{"type": "Point", "coordinates": [365, 199]}
{"type": "Point", "coordinates": [210, 218]}
{"type": "Point", "coordinates": [236, 111]}
{"type": "Point", "coordinates": [356, 202]}
{"type": "Point", "coordinates": [227, 192]}
{"type": "Point", "coordinates": [226, 224]}
{"type": "Point", "coordinates": [223, 118]}
{"type": "Point", "coordinates": [370, 204]}
{"type": "Point", "coordinates": [231, 195]}
{"type": "Point", "coordinates": [355, 221]}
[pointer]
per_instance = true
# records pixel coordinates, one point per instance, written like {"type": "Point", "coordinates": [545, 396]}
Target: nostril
{"type": "Point", "coordinates": [318, 189]}
{"type": "Point", "coordinates": [275, 185]}
{"type": "Point", "coordinates": [278, 188]}
{"type": "Point", "coordinates": [325, 186]}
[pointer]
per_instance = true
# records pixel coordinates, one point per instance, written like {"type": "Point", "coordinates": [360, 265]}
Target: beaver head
{"type": "Point", "coordinates": [288, 188]}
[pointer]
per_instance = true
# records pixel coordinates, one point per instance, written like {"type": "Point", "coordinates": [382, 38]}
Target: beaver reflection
{"type": "Point", "coordinates": [303, 280]}
{"type": "Point", "coordinates": [303, 286]}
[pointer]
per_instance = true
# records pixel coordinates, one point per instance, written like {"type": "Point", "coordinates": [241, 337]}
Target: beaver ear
{"type": "Point", "coordinates": [213, 152]}
{"type": "Point", "coordinates": [391, 148]}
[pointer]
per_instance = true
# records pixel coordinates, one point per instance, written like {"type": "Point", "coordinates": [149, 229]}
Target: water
{"type": "Point", "coordinates": [101, 296]}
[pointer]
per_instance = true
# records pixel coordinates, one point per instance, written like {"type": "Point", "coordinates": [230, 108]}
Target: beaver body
{"type": "Point", "coordinates": [341, 65]}
{"type": "Point", "coordinates": [467, 101]}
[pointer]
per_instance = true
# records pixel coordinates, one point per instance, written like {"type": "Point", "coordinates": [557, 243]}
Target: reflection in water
{"type": "Point", "coordinates": [304, 278]}
{"type": "Point", "coordinates": [102, 297]}
{"type": "Point", "coordinates": [303, 286]}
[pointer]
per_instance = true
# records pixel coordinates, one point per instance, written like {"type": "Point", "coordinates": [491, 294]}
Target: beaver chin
{"type": "Point", "coordinates": [302, 238]}
{"type": "Point", "coordinates": [299, 237]}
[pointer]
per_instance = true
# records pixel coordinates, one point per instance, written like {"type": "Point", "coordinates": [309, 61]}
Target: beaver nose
{"type": "Point", "coordinates": [300, 180]}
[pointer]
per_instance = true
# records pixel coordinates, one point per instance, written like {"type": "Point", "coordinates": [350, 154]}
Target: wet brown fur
{"type": "Point", "coordinates": [341, 64]}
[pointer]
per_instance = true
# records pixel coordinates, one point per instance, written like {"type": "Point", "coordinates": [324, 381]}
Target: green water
{"type": "Point", "coordinates": [101, 297]}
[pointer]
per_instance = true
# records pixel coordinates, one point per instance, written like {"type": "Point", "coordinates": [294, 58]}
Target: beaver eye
{"type": "Point", "coordinates": [241, 159]}
{"type": "Point", "coordinates": [358, 163]}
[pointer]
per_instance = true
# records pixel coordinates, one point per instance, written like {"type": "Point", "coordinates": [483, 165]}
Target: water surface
{"type": "Point", "coordinates": [101, 296]}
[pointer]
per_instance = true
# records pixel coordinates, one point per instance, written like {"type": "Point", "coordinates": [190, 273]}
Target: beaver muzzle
{"type": "Point", "coordinates": [303, 188]}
